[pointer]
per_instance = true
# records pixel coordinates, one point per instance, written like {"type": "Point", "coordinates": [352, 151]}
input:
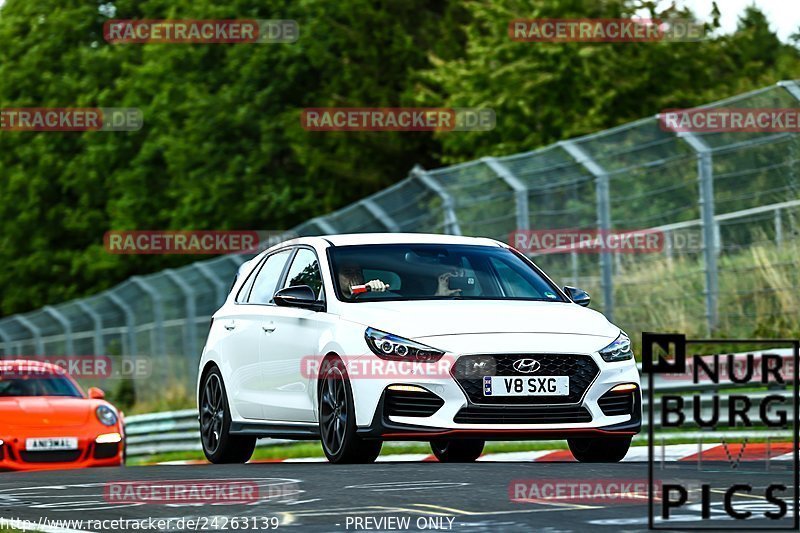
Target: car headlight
{"type": "Point", "coordinates": [619, 350]}
{"type": "Point", "coordinates": [388, 346]}
{"type": "Point", "coordinates": [106, 415]}
{"type": "Point", "coordinates": [108, 438]}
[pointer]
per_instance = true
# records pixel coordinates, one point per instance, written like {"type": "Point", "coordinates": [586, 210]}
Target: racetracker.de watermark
{"type": "Point", "coordinates": [588, 30]}
{"type": "Point", "coordinates": [768, 120]}
{"type": "Point", "coordinates": [201, 31]}
{"type": "Point", "coordinates": [71, 119]}
{"type": "Point", "coordinates": [150, 242]}
{"type": "Point", "coordinates": [180, 242]}
{"type": "Point", "coordinates": [77, 366]}
{"type": "Point", "coordinates": [397, 119]}
{"type": "Point", "coordinates": [370, 367]}
{"type": "Point", "coordinates": [565, 240]}
{"type": "Point", "coordinates": [182, 492]}
{"type": "Point", "coordinates": [585, 491]}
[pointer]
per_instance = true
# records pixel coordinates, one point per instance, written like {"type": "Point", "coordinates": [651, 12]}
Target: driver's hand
{"type": "Point", "coordinates": [444, 285]}
{"type": "Point", "coordinates": [377, 285]}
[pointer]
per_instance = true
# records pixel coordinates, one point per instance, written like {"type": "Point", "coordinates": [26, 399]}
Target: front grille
{"type": "Point", "coordinates": [411, 403]}
{"type": "Point", "coordinates": [61, 456]}
{"type": "Point", "coordinates": [559, 414]}
{"type": "Point", "coordinates": [613, 404]}
{"type": "Point", "coordinates": [581, 370]}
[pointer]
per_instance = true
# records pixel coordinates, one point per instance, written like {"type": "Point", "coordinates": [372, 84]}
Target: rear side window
{"type": "Point", "coordinates": [305, 271]}
{"type": "Point", "coordinates": [245, 290]}
{"type": "Point", "coordinates": [267, 278]}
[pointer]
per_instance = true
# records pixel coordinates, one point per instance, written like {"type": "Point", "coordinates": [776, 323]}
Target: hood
{"type": "Point", "coordinates": [45, 411]}
{"type": "Point", "coordinates": [419, 319]}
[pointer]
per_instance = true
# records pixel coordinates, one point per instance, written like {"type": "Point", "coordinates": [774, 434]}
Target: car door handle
{"type": "Point", "coordinates": [230, 325]}
{"type": "Point", "coordinates": [269, 328]}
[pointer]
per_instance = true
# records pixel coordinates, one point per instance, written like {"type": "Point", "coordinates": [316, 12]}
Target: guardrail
{"type": "Point", "coordinates": [170, 431]}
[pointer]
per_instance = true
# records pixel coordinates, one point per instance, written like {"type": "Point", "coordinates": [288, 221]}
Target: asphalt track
{"type": "Point", "coordinates": [433, 496]}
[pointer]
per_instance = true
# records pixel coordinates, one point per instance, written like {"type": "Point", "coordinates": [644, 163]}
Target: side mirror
{"type": "Point", "coordinates": [96, 394]}
{"type": "Point", "coordinates": [301, 296]}
{"type": "Point", "coordinates": [579, 296]}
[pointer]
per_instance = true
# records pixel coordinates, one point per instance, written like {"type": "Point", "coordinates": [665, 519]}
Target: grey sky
{"type": "Point", "coordinates": [783, 15]}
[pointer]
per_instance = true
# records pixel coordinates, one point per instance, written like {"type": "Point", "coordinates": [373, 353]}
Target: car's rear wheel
{"type": "Point", "coordinates": [599, 449]}
{"type": "Point", "coordinates": [457, 450]}
{"type": "Point", "coordinates": [219, 445]}
{"type": "Point", "coordinates": [337, 418]}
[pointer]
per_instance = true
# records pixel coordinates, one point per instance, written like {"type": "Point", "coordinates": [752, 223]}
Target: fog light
{"type": "Point", "coordinates": [406, 388]}
{"type": "Point", "coordinates": [108, 438]}
{"type": "Point", "coordinates": [625, 387]}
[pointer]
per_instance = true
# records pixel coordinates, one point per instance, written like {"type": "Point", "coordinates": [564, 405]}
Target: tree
{"type": "Point", "coordinates": [221, 146]}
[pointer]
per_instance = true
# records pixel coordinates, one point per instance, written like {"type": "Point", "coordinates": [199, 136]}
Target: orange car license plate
{"type": "Point", "coordinates": [47, 444]}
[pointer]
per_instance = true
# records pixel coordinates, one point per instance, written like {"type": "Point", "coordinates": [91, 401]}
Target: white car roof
{"type": "Point", "coordinates": [398, 238]}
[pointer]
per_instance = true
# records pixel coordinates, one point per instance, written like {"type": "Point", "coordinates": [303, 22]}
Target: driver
{"type": "Point", "coordinates": [350, 274]}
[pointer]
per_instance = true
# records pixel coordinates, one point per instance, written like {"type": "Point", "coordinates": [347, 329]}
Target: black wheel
{"type": "Point", "coordinates": [219, 445]}
{"type": "Point", "coordinates": [337, 418]}
{"type": "Point", "coordinates": [599, 449]}
{"type": "Point", "coordinates": [457, 450]}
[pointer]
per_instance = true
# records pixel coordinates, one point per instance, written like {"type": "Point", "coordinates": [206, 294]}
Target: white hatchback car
{"type": "Point", "coordinates": [357, 339]}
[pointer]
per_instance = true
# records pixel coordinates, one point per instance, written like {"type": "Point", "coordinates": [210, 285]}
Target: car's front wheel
{"type": "Point", "coordinates": [337, 418]}
{"type": "Point", "coordinates": [457, 450]}
{"type": "Point", "coordinates": [599, 449]}
{"type": "Point", "coordinates": [219, 445]}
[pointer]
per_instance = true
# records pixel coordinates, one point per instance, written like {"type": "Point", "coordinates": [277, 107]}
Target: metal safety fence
{"type": "Point", "coordinates": [734, 195]}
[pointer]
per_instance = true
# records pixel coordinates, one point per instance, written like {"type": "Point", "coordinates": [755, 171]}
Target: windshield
{"type": "Point", "coordinates": [435, 271]}
{"type": "Point", "coordinates": [37, 386]}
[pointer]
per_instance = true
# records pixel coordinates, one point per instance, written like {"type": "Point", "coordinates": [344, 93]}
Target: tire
{"type": "Point", "coordinates": [219, 446]}
{"type": "Point", "coordinates": [457, 450]}
{"type": "Point", "coordinates": [337, 418]}
{"type": "Point", "coordinates": [599, 449]}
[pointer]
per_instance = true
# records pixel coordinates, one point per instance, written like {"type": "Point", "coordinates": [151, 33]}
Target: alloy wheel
{"type": "Point", "coordinates": [334, 410]}
{"type": "Point", "coordinates": [212, 413]}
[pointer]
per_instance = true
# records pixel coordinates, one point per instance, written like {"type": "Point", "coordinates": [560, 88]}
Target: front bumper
{"type": "Point", "coordinates": [13, 455]}
{"type": "Point", "coordinates": [460, 414]}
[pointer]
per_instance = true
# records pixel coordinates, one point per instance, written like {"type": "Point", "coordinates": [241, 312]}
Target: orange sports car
{"type": "Point", "coordinates": [47, 422]}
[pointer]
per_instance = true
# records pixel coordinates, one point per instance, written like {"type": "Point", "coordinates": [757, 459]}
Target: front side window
{"type": "Point", "coordinates": [305, 271]}
{"type": "Point", "coordinates": [266, 280]}
{"type": "Point", "coordinates": [436, 271]}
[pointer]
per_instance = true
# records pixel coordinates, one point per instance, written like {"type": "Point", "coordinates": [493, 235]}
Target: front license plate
{"type": "Point", "coordinates": [525, 386]}
{"type": "Point", "coordinates": [49, 444]}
